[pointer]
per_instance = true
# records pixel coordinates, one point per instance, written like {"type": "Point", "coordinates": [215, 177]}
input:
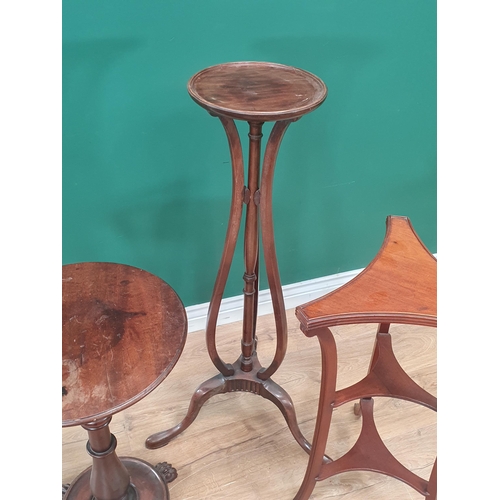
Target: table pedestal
{"type": "Point", "coordinates": [256, 93]}
{"type": "Point", "coordinates": [123, 331]}
{"type": "Point", "coordinates": [113, 478]}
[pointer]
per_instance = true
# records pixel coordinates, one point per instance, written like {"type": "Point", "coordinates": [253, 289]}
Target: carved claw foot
{"type": "Point", "coordinates": [166, 471]}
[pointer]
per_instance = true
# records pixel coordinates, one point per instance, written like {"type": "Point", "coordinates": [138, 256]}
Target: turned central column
{"type": "Point", "coordinates": [251, 245]}
{"type": "Point", "coordinates": [109, 479]}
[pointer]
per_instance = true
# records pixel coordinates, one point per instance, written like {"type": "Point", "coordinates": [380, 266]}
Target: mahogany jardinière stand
{"type": "Point", "coordinates": [256, 92]}
{"type": "Point", "coordinates": [123, 330]}
{"type": "Point", "coordinates": [398, 286]}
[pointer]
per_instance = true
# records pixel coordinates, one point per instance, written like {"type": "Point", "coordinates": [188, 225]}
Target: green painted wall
{"type": "Point", "coordinates": [146, 173]}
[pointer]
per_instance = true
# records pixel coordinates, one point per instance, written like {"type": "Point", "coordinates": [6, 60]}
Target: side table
{"type": "Point", "coordinates": [398, 286]}
{"type": "Point", "coordinates": [123, 330]}
{"type": "Point", "coordinates": [256, 92]}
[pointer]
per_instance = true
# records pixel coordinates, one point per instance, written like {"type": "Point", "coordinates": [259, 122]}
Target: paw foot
{"type": "Point", "coordinates": [166, 471]}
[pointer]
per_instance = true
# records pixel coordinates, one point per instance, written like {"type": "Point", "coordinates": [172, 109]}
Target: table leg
{"type": "Point", "coordinates": [246, 374]}
{"type": "Point", "coordinates": [112, 478]}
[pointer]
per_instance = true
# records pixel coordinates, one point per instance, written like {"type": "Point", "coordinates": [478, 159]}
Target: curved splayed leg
{"type": "Point", "coordinates": [268, 245]}
{"type": "Point", "coordinates": [216, 384]}
{"type": "Point", "coordinates": [238, 194]}
{"type": "Point", "coordinates": [205, 391]}
{"type": "Point", "coordinates": [273, 392]}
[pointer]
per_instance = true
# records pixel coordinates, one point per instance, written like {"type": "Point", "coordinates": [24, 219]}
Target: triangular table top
{"type": "Point", "coordinates": [398, 286]}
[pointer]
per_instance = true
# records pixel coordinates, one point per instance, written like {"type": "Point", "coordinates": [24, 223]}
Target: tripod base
{"type": "Point", "coordinates": [243, 382]}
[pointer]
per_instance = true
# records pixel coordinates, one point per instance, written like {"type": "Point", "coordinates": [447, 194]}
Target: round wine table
{"type": "Point", "coordinates": [255, 92]}
{"type": "Point", "coordinates": [123, 330]}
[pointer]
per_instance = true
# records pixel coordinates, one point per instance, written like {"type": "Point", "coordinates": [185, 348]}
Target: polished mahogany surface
{"type": "Point", "coordinates": [123, 330]}
{"type": "Point", "coordinates": [257, 91]}
{"type": "Point", "coordinates": [398, 286]}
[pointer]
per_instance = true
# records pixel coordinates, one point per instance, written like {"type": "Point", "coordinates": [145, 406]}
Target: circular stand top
{"type": "Point", "coordinates": [257, 91]}
{"type": "Point", "coordinates": [123, 330]}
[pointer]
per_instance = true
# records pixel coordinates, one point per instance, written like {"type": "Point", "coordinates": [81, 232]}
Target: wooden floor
{"type": "Point", "coordinates": [239, 446]}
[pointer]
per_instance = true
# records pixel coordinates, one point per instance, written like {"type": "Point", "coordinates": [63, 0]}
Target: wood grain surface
{"type": "Point", "coordinates": [123, 330]}
{"type": "Point", "coordinates": [257, 91]}
{"type": "Point", "coordinates": [240, 446]}
{"type": "Point", "coordinates": [400, 283]}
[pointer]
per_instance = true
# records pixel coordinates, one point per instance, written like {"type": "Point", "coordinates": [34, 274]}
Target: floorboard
{"type": "Point", "coordinates": [239, 446]}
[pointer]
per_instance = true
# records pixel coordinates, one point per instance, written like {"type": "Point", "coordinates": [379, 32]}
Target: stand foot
{"type": "Point", "coordinates": [241, 381]}
{"type": "Point", "coordinates": [205, 391]}
{"type": "Point", "coordinates": [146, 483]}
{"type": "Point", "coordinates": [166, 471]}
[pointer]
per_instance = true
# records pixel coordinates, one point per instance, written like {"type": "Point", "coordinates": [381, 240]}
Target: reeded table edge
{"type": "Point", "coordinates": [311, 325]}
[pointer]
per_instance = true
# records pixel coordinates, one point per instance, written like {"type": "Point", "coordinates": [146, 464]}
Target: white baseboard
{"type": "Point", "coordinates": [231, 308]}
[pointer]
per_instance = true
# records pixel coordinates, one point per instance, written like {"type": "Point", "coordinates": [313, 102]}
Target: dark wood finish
{"type": "Point", "coordinates": [148, 483]}
{"type": "Point", "coordinates": [398, 286]}
{"type": "Point", "coordinates": [123, 330]}
{"type": "Point", "coordinates": [256, 92]}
